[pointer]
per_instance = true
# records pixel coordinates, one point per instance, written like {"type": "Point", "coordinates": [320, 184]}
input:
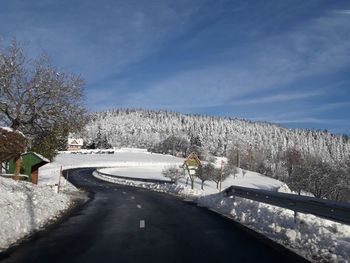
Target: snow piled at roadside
{"type": "Point", "coordinates": [317, 239]}
{"type": "Point", "coordinates": [25, 208]}
{"type": "Point", "coordinates": [177, 189]}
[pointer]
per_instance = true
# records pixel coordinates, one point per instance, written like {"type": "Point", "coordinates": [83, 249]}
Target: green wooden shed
{"type": "Point", "coordinates": [31, 162]}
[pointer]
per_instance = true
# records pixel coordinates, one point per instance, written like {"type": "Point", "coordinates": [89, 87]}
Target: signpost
{"type": "Point", "coordinates": [191, 164]}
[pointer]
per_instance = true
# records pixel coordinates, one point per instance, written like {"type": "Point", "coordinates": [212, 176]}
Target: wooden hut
{"type": "Point", "coordinates": [31, 162]}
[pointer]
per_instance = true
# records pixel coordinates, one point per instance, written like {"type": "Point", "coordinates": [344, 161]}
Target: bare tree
{"type": "Point", "coordinates": [219, 176]}
{"type": "Point", "coordinates": [322, 179]}
{"type": "Point", "coordinates": [174, 173]}
{"type": "Point", "coordinates": [298, 181]}
{"type": "Point", "coordinates": [35, 96]}
{"type": "Point", "coordinates": [292, 157]}
{"type": "Point", "coordinates": [205, 173]}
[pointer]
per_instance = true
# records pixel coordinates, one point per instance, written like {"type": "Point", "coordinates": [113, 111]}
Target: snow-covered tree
{"type": "Point", "coordinates": [174, 173]}
{"type": "Point", "coordinates": [35, 97]}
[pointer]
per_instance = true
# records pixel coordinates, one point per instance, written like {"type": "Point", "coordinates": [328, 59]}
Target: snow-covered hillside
{"type": "Point", "coordinates": [144, 128]}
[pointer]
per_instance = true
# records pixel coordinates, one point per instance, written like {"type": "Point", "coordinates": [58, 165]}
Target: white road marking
{"type": "Point", "coordinates": [124, 193]}
{"type": "Point", "coordinates": [133, 197]}
{"type": "Point", "coordinates": [142, 224]}
{"type": "Point", "coordinates": [139, 206]}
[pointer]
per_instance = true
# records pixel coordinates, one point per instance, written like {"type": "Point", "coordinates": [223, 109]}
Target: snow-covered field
{"type": "Point", "coordinates": [128, 158]}
{"type": "Point", "coordinates": [317, 239]}
{"type": "Point", "coordinates": [144, 172]}
{"type": "Point", "coordinates": [249, 179]}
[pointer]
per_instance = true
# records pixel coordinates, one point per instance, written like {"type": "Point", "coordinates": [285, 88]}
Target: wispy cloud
{"type": "Point", "coordinates": [343, 12]}
{"type": "Point", "coordinates": [98, 39]}
{"type": "Point", "coordinates": [278, 98]}
{"type": "Point", "coordinates": [320, 47]}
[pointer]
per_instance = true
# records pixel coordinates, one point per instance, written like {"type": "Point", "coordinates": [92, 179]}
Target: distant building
{"type": "Point", "coordinates": [75, 144]}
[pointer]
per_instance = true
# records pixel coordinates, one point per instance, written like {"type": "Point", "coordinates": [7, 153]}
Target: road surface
{"type": "Point", "coordinates": [124, 224]}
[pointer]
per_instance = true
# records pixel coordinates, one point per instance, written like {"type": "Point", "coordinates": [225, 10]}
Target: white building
{"type": "Point", "coordinates": [75, 144]}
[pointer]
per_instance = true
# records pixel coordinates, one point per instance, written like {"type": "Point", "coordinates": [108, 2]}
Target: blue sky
{"type": "Point", "coordinates": [280, 61]}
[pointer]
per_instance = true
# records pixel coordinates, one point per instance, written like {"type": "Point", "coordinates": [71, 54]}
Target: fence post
{"type": "Point", "coordinates": [59, 180]}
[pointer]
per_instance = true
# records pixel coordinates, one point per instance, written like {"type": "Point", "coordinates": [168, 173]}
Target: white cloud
{"type": "Point", "coordinates": [278, 98]}
{"type": "Point", "coordinates": [320, 47]}
{"type": "Point", "coordinates": [98, 39]}
{"type": "Point", "coordinates": [343, 12]}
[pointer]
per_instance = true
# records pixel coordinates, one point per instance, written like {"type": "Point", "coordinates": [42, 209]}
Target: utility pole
{"type": "Point", "coordinates": [221, 171]}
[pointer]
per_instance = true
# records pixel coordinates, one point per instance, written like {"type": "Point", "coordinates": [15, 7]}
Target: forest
{"type": "Point", "coordinates": [311, 161]}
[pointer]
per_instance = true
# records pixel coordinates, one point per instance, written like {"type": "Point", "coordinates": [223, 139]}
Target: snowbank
{"type": "Point", "coordinates": [177, 189]}
{"type": "Point", "coordinates": [153, 172]}
{"type": "Point", "coordinates": [26, 207]}
{"type": "Point", "coordinates": [315, 238]}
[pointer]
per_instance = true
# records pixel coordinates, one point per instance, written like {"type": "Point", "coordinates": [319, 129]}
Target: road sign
{"type": "Point", "coordinates": [192, 162]}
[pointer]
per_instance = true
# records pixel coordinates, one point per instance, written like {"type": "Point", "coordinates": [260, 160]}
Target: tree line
{"type": "Point", "coordinates": [303, 172]}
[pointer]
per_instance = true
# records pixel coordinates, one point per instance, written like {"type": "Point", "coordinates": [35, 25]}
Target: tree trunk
{"type": "Point", "coordinates": [192, 183]}
{"type": "Point", "coordinates": [202, 187]}
{"type": "Point", "coordinates": [18, 163]}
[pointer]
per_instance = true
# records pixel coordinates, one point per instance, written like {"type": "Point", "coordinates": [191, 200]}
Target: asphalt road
{"type": "Point", "coordinates": [124, 224]}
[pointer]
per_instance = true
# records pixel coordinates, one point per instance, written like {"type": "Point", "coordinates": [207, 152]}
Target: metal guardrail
{"type": "Point", "coordinates": [332, 210]}
{"type": "Point", "coordinates": [147, 180]}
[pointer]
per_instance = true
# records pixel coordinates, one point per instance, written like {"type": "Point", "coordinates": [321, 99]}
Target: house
{"type": "Point", "coordinates": [75, 144]}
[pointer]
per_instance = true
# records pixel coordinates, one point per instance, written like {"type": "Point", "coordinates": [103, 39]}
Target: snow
{"type": "Point", "coordinates": [8, 129]}
{"type": "Point", "coordinates": [315, 238]}
{"type": "Point", "coordinates": [41, 157]}
{"type": "Point", "coordinates": [133, 160]}
{"type": "Point", "coordinates": [26, 208]}
{"type": "Point", "coordinates": [144, 172]}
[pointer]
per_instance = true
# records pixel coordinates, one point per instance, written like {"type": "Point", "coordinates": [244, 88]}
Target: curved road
{"type": "Point", "coordinates": [124, 224]}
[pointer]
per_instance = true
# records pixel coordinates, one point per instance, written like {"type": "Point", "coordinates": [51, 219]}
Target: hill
{"type": "Point", "coordinates": [147, 129]}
